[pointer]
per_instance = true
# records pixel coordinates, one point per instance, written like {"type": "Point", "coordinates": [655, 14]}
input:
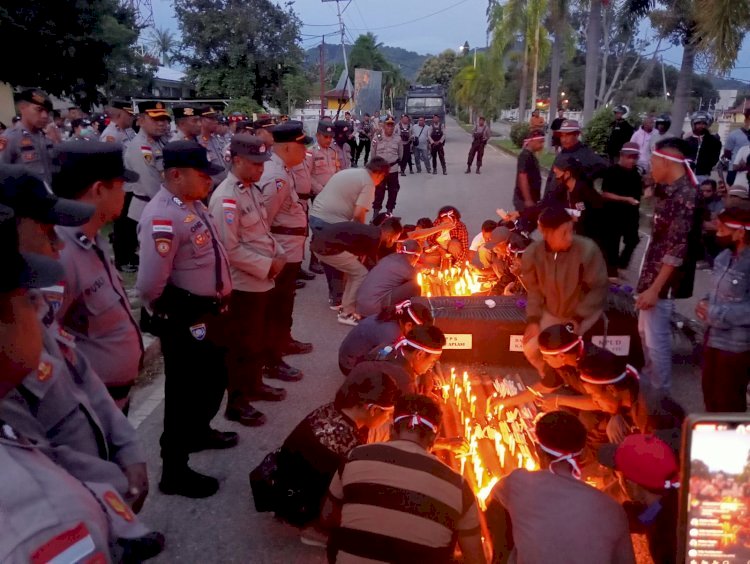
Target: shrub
{"type": "Point", "coordinates": [518, 133]}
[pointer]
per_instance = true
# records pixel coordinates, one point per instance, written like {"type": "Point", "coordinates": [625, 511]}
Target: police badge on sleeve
{"type": "Point", "coordinates": [162, 233]}
{"type": "Point", "coordinates": [230, 210]}
{"type": "Point", "coordinates": [198, 331]}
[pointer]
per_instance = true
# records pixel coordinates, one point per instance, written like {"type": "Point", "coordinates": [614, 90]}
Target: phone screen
{"type": "Point", "coordinates": [718, 498]}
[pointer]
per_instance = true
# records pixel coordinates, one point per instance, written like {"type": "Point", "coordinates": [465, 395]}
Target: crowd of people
{"type": "Point", "coordinates": [218, 230]}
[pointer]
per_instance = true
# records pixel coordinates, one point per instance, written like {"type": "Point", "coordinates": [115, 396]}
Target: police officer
{"type": "Point", "coordinates": [211, 141]}
{"type": "Point", "coordinates": [120, 128]}
{"type": "Point", "coordinates": [479, 137]}
{"type": "Point", "coordinates": [404, 132]}
{"type": "Point", "coordinates": [302, 176]}
{"type": "Point", "coordinates": [46, 510]}
{"type": "Point", "coordinates": [144, 156]}
{"type": "Point", "coordinates": [288, 221]}
{"type": "Point", "coordinates": [342, 132]}
{"type": "Point", "coordinates": [365, 131]}
{"type": "Point", "coordinates": [26, 143]}
{"type": "Point", "coordinates": [184, 279]}
{"type": "Point", "coordinates": [82, 130]}
{"type": "Point", "coordinates": [188, 123]}
{"type": "Point", "coordinates": [262, 126]}
{"type": "Point", "coordinates": [95, 308]}
{"type": "Point", "coordinates": [388, 146]}
{"type": "Point", "coordinates": [256, 259]}
{"type": "Point", "coordinates": [437, 144]}
{"type": "Point", "coordinates": [325, 158]}
{"type": "Point", "coordinates": [63, 401]}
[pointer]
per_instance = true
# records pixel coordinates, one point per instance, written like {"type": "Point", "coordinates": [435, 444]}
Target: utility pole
{"type": "Point", "coordinates": [343, 47]}
{"type": "Point", "coordinates": [322, 77]}
{"type": "Point", "coordinates": [664, 80]}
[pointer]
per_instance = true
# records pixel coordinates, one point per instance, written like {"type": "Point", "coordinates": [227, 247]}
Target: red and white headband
{"type": "Point", "coordinates": [406, 306]}
{"type": "Point", "coordinates": [403, 251]}
{"type": "Point", "coordinates": [570, 458]}
{"type": "Point", "coordinates": [563, 349]}
{"type": "Point", "coordinates": [629, 371]}
{"type": "Point", "coordinates": [735, 224]}
{"type": "Point", "coordinates": [530, 139]}
{"type": "Point", "coordinates": [416, 419]}
{"type": "Point", "coordinates": [418, 346]}
{"type": "Point", "coordinates": [685, 162]}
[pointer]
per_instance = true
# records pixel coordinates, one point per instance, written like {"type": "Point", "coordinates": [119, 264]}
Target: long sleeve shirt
{"type": "Point", "coordinates": [728, 317]}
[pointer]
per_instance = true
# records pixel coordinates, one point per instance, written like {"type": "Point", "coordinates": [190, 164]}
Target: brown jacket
{"type": "Point", "coordinates": [569, 285]}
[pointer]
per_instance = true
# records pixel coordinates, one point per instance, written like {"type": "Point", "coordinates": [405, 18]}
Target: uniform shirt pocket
{"type": "Point", "coordinates": [99, 296]}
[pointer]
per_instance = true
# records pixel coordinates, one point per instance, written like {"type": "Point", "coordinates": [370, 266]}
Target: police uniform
{"type": "Point", "coordinates": [214, 146]}
{"type": "Point", "coordinates": [437, 146]}
{"type": "Point", "coordinates": [33, 149]}
{"type": "Point", "coordinates": [179, 113]}
{"type": "Point", "coordinates": [479, 137]}
{"type": "Point", "coordinates": [184, 278]}
{"type": "Point", "coordinates": [288, 220]}
{"type": "Point", "coordinates": [242, 226]}
{"type": "Point", "coordinates": [302, 177]}
{"type": "Point", "coordinates": [404, 132]}
{"type": "Point", "coordinates": [342, 132]}
{"type": "Point", "coordinates": [365, 134]}
{"type": "Point", "coordinates": [391, 149]}
{"type": "Point", "coordinates": [325, 162]}
{"type": "Point", "coordinates": [112, 133]}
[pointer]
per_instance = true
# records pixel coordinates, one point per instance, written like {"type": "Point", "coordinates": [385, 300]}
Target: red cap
{"type": "Point", "coordinates": [646, 460]}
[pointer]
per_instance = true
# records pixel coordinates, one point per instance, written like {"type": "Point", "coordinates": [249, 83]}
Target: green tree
{"type": "Point", "coordinates": [440, 69]}
{"type": "Point", "coordinates": [162, 43]}
{"type": "Point", "coordinates": [480, 87]}
{"type": "Point", "coordinates": [365, 54]}
{"type": "Point", "coordinates": [238, 47]}
{"type": "Point", "coordinates": [295, 91]}
{"type": "Point", "coordinates": [81, 45]}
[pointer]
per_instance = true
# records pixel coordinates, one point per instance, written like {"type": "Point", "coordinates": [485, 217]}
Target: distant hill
{"type": "Point", "coordinates": [727, 83]}
{"type": "Point", "coordinates": [408, 61]}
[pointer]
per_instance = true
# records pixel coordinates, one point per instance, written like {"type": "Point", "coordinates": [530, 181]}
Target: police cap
{"type": "Point", "coordinates": [389, 121]}
{"type": "Point", "coordinates": [184, 111]}
{"type": "Point", "coordinates": [249, 147]}
{"type": "Point", "coordinates": [291, 132]}
{"type": "Point", "coordinates": [27, 195]}
{"type": "Point", "coordinates": [189, 154]}
{"type": "Point", "coordinates": [82, 164]}
{"type": "Point", "coordinates": [80, 122]}
{"type": "Point", "coordinates": [35, 96]}
{"type": "Point", "coordinates": [153, 109]}
{"type": "Point", "coordinates": [263, 121]}
{"type": "Point", "coordinates": [325, 126]}
{"type": "Point", "coordinates": [124, 105]}
{"type": "Point", "coordinates": [341, 126]}
{"type": "Point", "coordinates": [209, 112]}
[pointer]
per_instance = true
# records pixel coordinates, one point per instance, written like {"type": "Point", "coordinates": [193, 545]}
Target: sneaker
{"type": "Point", "coordinates": [434, 172]}
{"type": "Point", "coordinates": [334, 304]}
{"type": "Point", "coordinates": [445, 173]}
{"type": "Point", "coordinates": [348, 319]}
{"type": "Point", "coordinates": [468, 170]}
{"type": "Point", "coordinates": [311, 536]}
{"type": "Point", "coordinates": [294, 346]}
{"type": "Point", "coordinates": [403, 173]}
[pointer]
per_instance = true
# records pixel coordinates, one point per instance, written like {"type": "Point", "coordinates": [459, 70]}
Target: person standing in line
{"type": "Point", "coordinates": [209, 139]}
{"type": "Point", "coordinates": [528, 190]}
{"type": "Point", "coordinates": [480, 135]}
{"type": "Point", "coordinates": [622, 188]}
{"type": "Point", "coordinates": [288, 222]}
{"type": "Point", "coordinates": [255, 260]}
{"type": "Point", "coordinates": [620, 133]}
{"type": "Point", "coordinates": [725, 310]}
{"type": "Point", "coordinates": [352, 141]}
{"type": "Point", "coordinates": [302, 176]}
{"type": "Point", "coordinates": [388, 146]}
{"type": "Point", "coordinates": [184, 279]}
{"type": "Point", "coordinates": [555, 129]}
{"type": "Point", "coordinates": [342, 134]}
{"type": "Point", "coordinates": [642, 137]}
{"type": "Point", "coordinates": [437, 144]}
{"type": "Point", "coordinates": [187, 119]}
{"type": "Point", "coordinates": [120, 128]}
{"type": "Point", "coordinates": [669, 265]}
{"type": "Point", "coordinates": [404, 132]}
{"type": "Point", "coordinates": [421, 136]}
{"type": "Point", "coordinates": [95, 308]}
{"type": "Point", "coordinates": [365, 131]}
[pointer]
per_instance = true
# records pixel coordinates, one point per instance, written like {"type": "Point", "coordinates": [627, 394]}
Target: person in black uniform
{"type": "Point", "coordinates": [184, 278]}
{"type": "Point", "coordinates": [404, 132]}
{"type": "Point", "coordinates": [622, 188]}
{"type": "Point", "coordinates": [621, 132]}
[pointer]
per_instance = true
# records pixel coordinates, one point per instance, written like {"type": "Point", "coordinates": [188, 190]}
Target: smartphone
{"type": "Point", "coordinates": [714, 517]}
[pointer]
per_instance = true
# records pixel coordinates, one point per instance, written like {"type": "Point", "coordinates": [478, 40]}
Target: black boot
{"type": "Point", "coordinates": [182, 480]}
{"type": "Point", "coordinates": [477, 170]}
{"type": "Point", "coordinates": [468, 169]}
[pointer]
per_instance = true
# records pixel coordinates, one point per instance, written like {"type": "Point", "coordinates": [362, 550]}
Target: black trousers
{"type": "Point", "coordinates": [353, 150]}
{"type": "Point", "coordinates": [619, 225]}
{"type": "Point", "coordinates": [477, 148]}
{"type": "Point", "coordinates": [249, 343]}
{"type": "Point", "coordinates": [364, 145]}
{"type": "Point", "coordinates": [390, 184]}
{"type": "Point", "coordinates": [406, 159]}
{"type": "Point", "coordinates": [125, 236]}
{"type": "Point", "coordinates": [194, 351]}
{"type": "Point", "coordinates": [725, 379]}
{"type": "Point", "coordinates": [281, 308]}
{"type": "Point", "coordinates": [437, 151]}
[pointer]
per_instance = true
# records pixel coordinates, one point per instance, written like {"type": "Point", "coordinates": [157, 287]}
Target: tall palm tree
{"type": "Point", "coordinates": [561, 29]}
{"type": "Point", "coordinates": [593, 38]}
{"type": "Point", "coordinates": [162, 43]}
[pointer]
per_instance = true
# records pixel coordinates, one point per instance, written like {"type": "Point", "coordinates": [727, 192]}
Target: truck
{"type": "Point", "coordinates": [425, 101]}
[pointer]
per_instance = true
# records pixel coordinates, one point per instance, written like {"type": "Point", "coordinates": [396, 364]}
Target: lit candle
{"type": "Point", "coordinates": [453, 375]}
{"type": "Point", "coordinates": [467, 427]}
{"type": "Point", "coordinates": [473, 401]}
{"type": "Point", "coordinates": [445, 393]}
{"type": "Point", "coordinates": [520, 460]}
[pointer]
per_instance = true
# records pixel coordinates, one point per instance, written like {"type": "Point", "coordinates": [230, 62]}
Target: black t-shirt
{"type": "Point", "coordinates": [556, 123]}
{"type": "Point", "coordinates": [351, 236]}
{"type": "Point", "coordinates": [528, 164]}
{"type": "Point", "coordinates": [622, 182]}
{"type": "Point", "coordinates": [585, 200]}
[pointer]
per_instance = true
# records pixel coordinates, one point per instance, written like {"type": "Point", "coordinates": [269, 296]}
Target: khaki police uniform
{"type": "Point", "coordinates": [392, 150]}
{"type": "Point", "coordinates": [34, 150]}
{"type": "Point", "coordinates": [325, 163]}
{"type": "Point", "coordinates": [214, 146]}
{"type": "Point", "coordinates": [344, 155]}
{"type": "Point", "coordinates": [51, 516]}
{"type": "Point", "coordinates": [302, 175]}
{"type": "Point", "coordinates": [144, 156]}
{"type": "Point", "coordinates": [113, 134]}
{"type": "Point", "coordinates": [95, 309]}
{"type": "Point", "coordinates": [243, 227]}
{"type": "Point", "coordinates": [184, 277]}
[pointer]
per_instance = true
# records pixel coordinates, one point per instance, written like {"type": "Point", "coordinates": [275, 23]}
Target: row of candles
{"type": "Point", "coordinates": [499, 440]}
{"type": "Point", "coordinates": [453, 281]}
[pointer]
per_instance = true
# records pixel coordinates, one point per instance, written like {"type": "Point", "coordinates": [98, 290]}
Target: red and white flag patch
{"type": "Point", "coordinates": [230, 209]}
{"type": "Point", "coordinates": [70, 546]}
{"type": "Point", "coordinates": [162, 233]}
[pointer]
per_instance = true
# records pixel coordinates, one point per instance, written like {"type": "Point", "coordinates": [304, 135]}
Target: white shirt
{"type": "Point", "coordinates": [477, 242]}
{"type": "Point", "coordinates": [741, 156]}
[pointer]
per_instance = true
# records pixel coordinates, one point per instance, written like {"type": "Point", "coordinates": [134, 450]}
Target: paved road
{"type": "Point", "coordinates": [226, 528]}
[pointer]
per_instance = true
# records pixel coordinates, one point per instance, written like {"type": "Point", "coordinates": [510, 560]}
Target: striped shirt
{"type": "Point", "coordinates": [399, 503]}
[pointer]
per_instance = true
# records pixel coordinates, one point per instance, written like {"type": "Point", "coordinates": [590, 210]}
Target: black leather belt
{"type": "Point", "coordinates": [141, 198]}
{"type": "Point", "coordinates": [298, 231]}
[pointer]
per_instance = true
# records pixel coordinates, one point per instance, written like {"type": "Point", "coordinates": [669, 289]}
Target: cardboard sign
{"type": "Point", "coordinates": [516, 343]}
{"type": "Point", "coordinates": [458, 341]}
{"type": "Point", "coordinates": [618, 344]}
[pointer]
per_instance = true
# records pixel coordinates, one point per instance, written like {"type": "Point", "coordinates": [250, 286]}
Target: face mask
{"type": "Point", "coordinates": [726, 242]}
{"type": "Point", "coordinates": [86, 131]}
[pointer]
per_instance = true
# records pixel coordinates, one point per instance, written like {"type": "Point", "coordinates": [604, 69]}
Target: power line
{"type": "Point", "coordinates": [319, 25]}
{"type": "Point", "coordinates": [364, 22]}
{"type": "Point", "coordinates": [415, 19]}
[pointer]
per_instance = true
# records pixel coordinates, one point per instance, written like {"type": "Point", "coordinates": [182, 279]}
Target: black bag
{"type": "Point", "coordinates": [415, 142]}
{"type": "Point", "coordinates": [264, 485]}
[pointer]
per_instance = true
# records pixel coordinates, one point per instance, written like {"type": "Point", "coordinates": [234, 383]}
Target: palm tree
{"type": "Point", "coordinates": [559, 17]}
{"type": "Point", "coordinates": [593, 38]}
{"type": "Point", "coordinates": [480, 86]}
{"type": "Point", "coordinates": [162, 42]}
